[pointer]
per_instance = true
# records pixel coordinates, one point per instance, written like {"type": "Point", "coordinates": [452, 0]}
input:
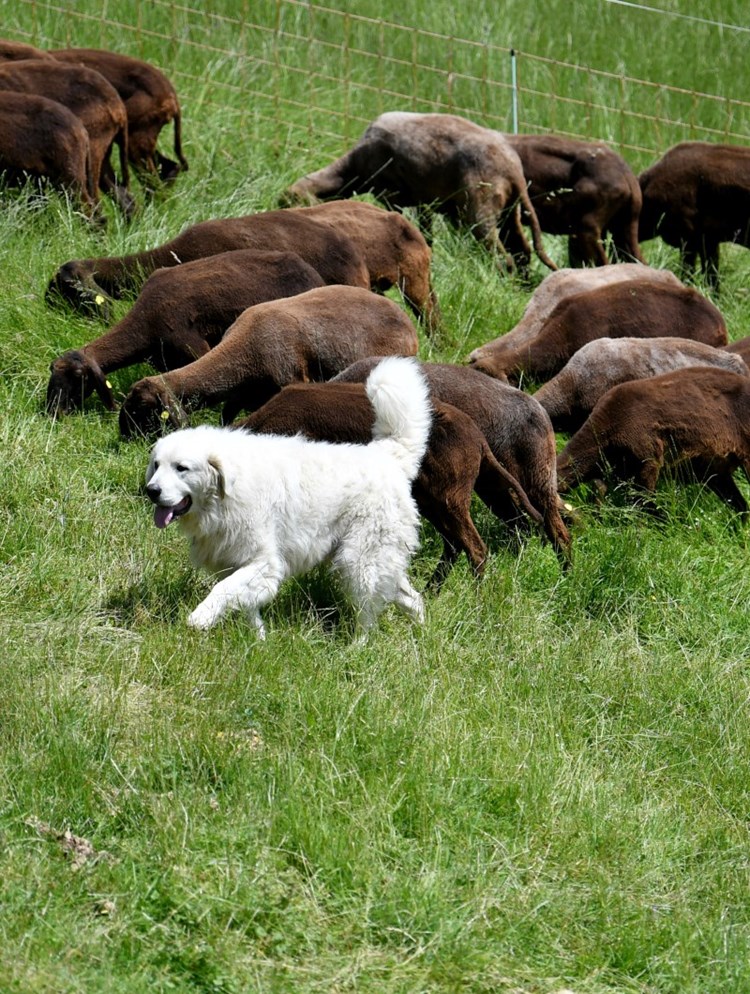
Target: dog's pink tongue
{"type": "Point", "coordinates": [162, 516]}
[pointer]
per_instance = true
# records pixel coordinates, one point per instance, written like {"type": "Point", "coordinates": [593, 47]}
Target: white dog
{"type": "Point", "coordinates": [261, 508]}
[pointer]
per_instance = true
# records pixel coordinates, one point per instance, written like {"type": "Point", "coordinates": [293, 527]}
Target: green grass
{"type": "Point", "coordinates": [543, 788]}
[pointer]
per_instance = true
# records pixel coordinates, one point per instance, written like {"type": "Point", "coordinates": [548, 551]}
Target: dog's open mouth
{"type": "Point", "coordinates": [163, 515]}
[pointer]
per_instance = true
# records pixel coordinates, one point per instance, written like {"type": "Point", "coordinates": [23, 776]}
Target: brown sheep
{"type": "Point", "coordinates": [699, 417]}
{"type": "Point", "coordinates": [464, 171]}
{"type": "Point", "coordinates": [517, 429]}
{"type": "Point", "coordinates": [584, 190]}
{"type": "Point", "coordinates": [457, 459]}
{"type": "Point", "coordinates": [695, 197]}
{"type": "Point", "coordinates": [628, 309]}
{"type": "Point", "coordinates": [563, 284]}
{"type": "Point", "coordinates": [311, 336]}
{"type": "Point", "coordinates": [89, 284]}
{"type": "Point", "coordinates": [150, 101]}
{"type": "Point", "coordinates": [570, 396]}
{"type": "Point", "coordinates": [92, 99]}
{"type": "Point", "coordinates": [351, 243]}
{"type": "Point", "coordinates": [40, 137]}
{"type": "Point", "coordinates": [180, 314]}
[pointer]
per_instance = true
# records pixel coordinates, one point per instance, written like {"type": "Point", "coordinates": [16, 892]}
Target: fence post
{"type": "Point", "coordinates": [514, 89]}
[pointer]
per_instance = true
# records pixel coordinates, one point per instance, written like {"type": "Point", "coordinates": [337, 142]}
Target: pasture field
{"type": "Point", "coordinates": [545, 788]}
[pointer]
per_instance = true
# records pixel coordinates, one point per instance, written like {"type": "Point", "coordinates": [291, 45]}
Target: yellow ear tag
{"type": "Point", "coordinates": [164, 415]}
{"type": "Point", "coordinates": [108, 384]}
{"type": "Point", "coordinates": [98, 299]}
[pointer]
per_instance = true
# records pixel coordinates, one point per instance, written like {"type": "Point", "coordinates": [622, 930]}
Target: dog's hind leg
{"type": "Point", "coordinates": [247, 589]}
{"type": "Point", "coordinates": [370, 606]}
{"type": "Point", "coordinates": [409, 600]}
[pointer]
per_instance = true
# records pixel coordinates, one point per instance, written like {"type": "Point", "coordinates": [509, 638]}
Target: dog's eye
{"type": "Point", "coordinates": [182, 469]}
{"type": "Point", "coordinates": [156, 465]}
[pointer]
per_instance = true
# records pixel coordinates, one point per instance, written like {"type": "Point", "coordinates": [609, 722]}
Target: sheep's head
{"type": "Point", "coordinates": [73, 377]}
{"type": "Point", "coordinates": [150, 409]}
{"type": "Point", "coordinates": [73, 284]}
{"type": "Point", "coordinates": [484, 362]}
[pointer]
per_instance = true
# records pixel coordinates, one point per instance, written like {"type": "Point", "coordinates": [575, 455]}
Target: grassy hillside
{"type": "Point", "coordinates": [543, 788]}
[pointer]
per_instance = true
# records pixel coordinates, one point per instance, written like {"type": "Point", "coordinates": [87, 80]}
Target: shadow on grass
{"type": "Point", "coordinates": [305, 602]}
{"type": "Point", "coordinates": [154, 597]}
{"type": "Point", "coordinates": [313, 600]}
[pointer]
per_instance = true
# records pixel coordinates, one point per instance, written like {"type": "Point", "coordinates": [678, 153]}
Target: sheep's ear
{"type": "Point", "coordinates": [101, 384]}
{"type": "Point", "coordinates": [224, 480]}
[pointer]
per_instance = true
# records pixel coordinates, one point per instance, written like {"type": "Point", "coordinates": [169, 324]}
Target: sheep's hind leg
{"type": "Point", "coordinates": [723, 486]}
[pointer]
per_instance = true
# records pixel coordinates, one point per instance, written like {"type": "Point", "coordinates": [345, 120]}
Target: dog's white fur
{"type": "Point", "coordinates": [261, 508]}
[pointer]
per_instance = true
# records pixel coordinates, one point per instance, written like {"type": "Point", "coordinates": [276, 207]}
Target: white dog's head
{"type": "Point", "coordinates": [185, 474]}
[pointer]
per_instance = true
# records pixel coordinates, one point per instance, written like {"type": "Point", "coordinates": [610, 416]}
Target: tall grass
{"type": "Point", "coordinates": [544, 787]}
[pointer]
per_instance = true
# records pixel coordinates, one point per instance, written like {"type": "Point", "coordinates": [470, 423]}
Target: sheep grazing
{"type": "Point", "coordinates": [517, 429]}
{"type": "Point", "coordinates": [311, 336]}
{"type": "Point", "coordinates": [180, 314]}
{"type": "Point", "coordinates": [150, 102]}
{"type": "Point", "coordinates": [94, 101]}
{"type": "Point", "coordinates": [458, 458]}
{"type": "Point", "coordinates": [696, 197]}
{"type": "Point", "coordinates": [40, 137]}
{"type": "Point", "coordinates": [584, 190]}
{"type": "Point", "coordinates": [557, 287]}
{"type": "Point", "coordinates": [698, 416]}
{"type": "Point", "coordinates": [570, 396]}
{"type": "Point", "coordinates": [355, 244]}
{"type": "Point", "coordinates": [628, 309]}
{"type": "Point", "coordinates": [470, 174]}
{"type": "Point", "coordinates": [89, 284]}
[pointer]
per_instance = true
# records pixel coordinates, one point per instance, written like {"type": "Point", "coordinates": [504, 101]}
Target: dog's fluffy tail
{"type": "Point", "coordinates": [400, 398]}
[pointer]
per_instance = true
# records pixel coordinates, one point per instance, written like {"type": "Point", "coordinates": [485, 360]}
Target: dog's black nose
{"type": "Point", "coordinates": [154, 493]}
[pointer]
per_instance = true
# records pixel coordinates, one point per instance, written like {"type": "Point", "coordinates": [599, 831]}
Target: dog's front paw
{"type": "Point", "coordinates": [202, 617]}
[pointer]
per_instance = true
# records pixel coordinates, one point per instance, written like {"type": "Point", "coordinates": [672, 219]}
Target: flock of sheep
{"type": "Point", "coordinates": [273, 313]}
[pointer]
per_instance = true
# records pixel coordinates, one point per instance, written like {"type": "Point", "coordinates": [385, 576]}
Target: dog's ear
{"type": "Point", "coordinates": [223, 478]}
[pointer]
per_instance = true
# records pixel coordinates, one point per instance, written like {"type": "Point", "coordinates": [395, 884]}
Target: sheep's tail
{"type": "Point", "coordinates": [400, 397]}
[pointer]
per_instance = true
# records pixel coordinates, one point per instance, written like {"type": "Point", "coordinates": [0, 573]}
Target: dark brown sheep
{"type": "Point", "coordinates": [517, 429]}
{"type": "Point", "coordinates": [92, 99]}
{"type": "Point", "coordinates": [180, 314]}
{"type": "Point", "coordinates": [570, 396]}
{"type": "Point", "coordinates": [311, 336]}
{"type": "Point", "coordinates": [89, 284]}
{"type": "Point", "coordinates": [40, 137]}
{"type": "Point", "coordinates": [464, 171]}
{"type": "Point", "coordinates": [558, 286]}
{"type": "Point", "coordinates": [457, 458]}
{"type": "Point", "coordinates": [699, 417]}
{"type": "Point", "coordinates": [340, 241]}
{"type": "Point", "coordinates": [628, 309]}
{"type": "Point", "coordinates": [584, 190]}
{"type": "Point", "coordinates": [696, 197]}
{"type": "Point", "coordinates": [150, 101]}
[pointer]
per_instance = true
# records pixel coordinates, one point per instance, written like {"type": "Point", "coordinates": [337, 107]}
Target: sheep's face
{"type": "Point", "coordinates": [72, 285]}
{"type": "Point", "coordinates": [149, 410]}
{"type": "Point", "coordinates": [485, 364]}
{"type": "Point", "coordinates": [70, 383]}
